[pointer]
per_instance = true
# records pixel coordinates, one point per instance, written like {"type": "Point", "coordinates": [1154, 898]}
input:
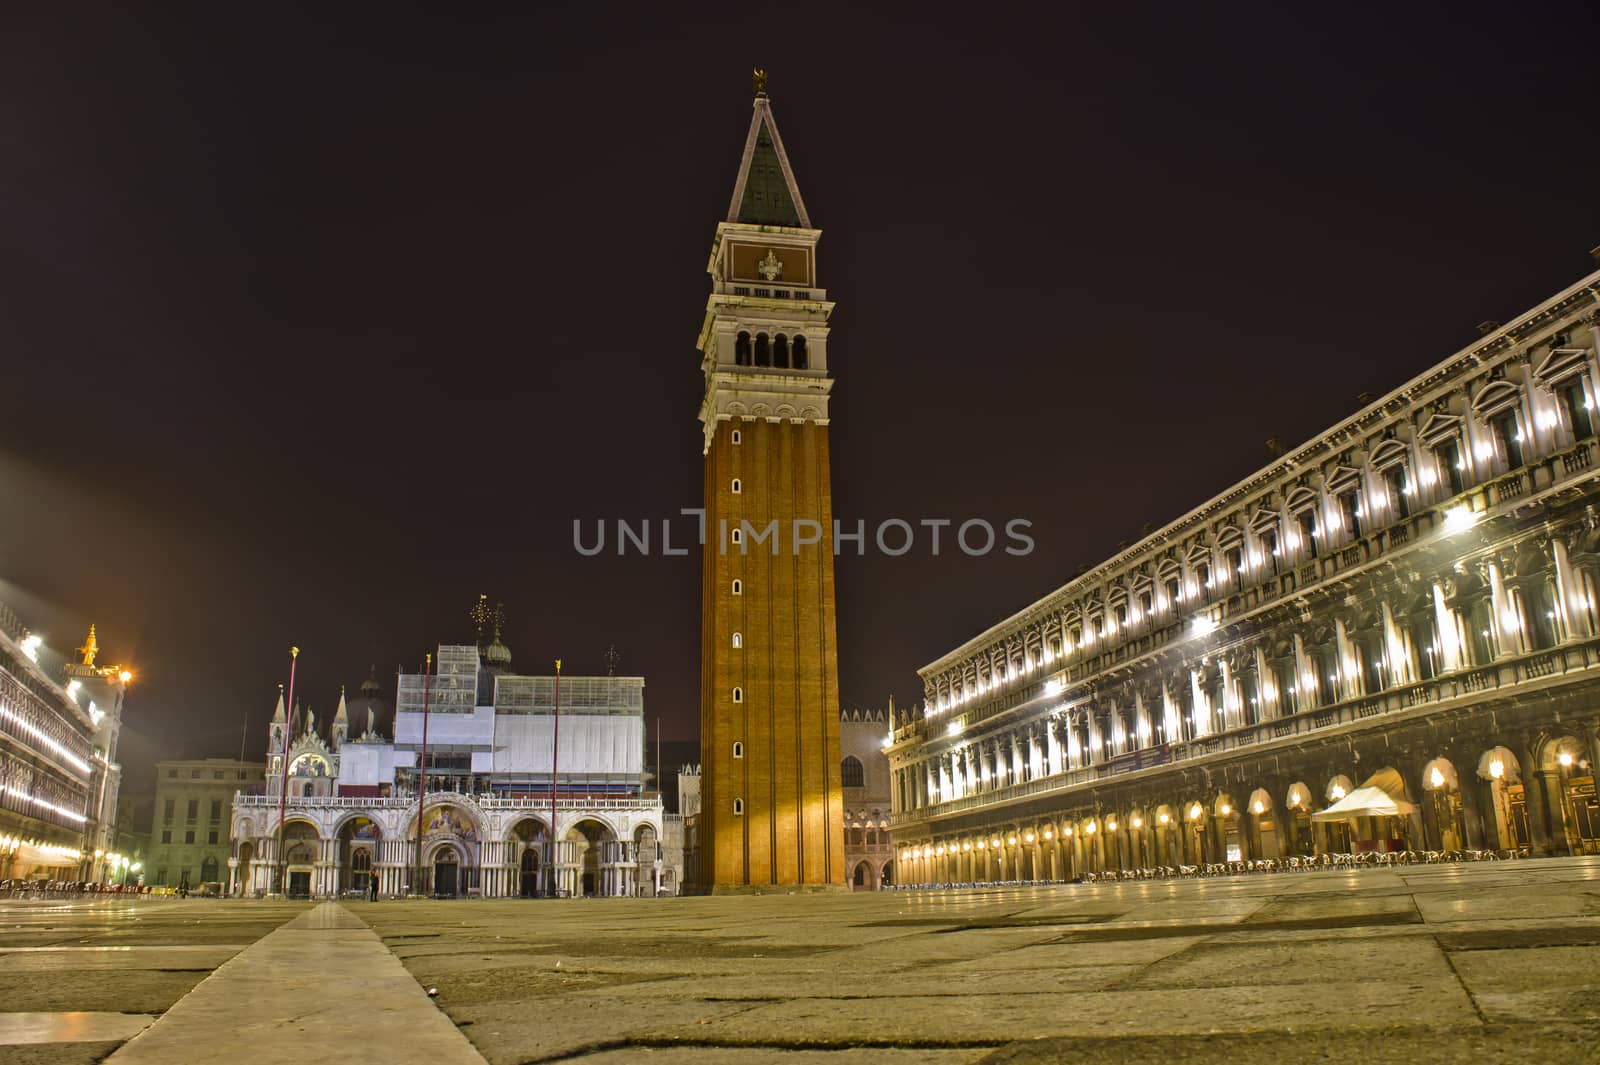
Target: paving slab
{"type": "Point", "coordinates": [294, 987]}
{"type": "Point", "coordinates": [70, 1027]}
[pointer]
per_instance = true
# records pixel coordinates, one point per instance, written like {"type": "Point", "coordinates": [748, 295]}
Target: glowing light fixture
{"type": "Point", "coordinates": [1497, 769]}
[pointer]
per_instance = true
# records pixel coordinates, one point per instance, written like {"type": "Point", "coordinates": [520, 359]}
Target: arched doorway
{"type": "Point", "coordinates": [888, 872]}
{"type": "Point", "coordinates": [301, 842]}
{"type": "Point", "coordinates": [1508, 811]}
{"type": "Point", "coordinates": [1267, 840]}
{"type": "Point", "coordinates": [588, 835]}
{"type": "Point", "coordinates": [449, 827]}
{"type": "Point", "coordinates": [646, 851]}
{"type": "Point", "coordinates": [1338, 832]}
{"type": "Point", "coordinates": [208, 870]}
{"type": "Point", "coordinates": [1230, 841]}
{"type": "Point", "coordinates": [528, 839]}
{"type": "Point", "coordinates": [1575, 821]}
{"type": "Point", "coordinates": [446, 872]}
{"type": "Point", "coordinates": [358, 841]}
{"type": "Point", "coordinates": [1443, 828]}
{"type": "Point", "coordinates": [1300, 840]}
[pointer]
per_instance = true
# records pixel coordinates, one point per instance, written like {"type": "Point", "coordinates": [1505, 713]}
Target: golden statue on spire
{"type": "Point", "coordinates": [90, 648]}
{"type": "Point", "coordinates": [758, 81]}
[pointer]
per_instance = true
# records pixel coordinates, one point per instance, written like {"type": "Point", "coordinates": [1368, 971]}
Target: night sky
{"type": "Point", "coordinates": [317, 321]}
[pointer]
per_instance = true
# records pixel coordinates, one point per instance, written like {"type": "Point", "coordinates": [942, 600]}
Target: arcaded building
{"type": "Point", "coordinates": [494, 780]}
{"type": "Point", "coordinates": [769, 717]}
{"type": "Point", "coordinates": [1406, 602]}
{"type": "Point", "coordinates": [59, 769]}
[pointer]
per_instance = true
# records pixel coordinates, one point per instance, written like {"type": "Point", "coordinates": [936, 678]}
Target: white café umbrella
{"type": "Point", "coordinates": [1365, 802]}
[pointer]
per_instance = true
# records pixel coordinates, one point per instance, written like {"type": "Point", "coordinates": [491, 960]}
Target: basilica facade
{"type": "Point", "coordinates": [502, 813]}
{"type": "Point", "coordinates": [1406, 603]}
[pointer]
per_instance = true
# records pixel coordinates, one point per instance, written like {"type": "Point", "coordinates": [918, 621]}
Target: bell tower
{"type": "Point", "coordinates": [769, 712]}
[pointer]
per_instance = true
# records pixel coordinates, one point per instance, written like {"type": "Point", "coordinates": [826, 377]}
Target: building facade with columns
{"type": "Point", "coordinates": [864, 772]}
{"type": "Point", "coordinates": [1406, 602]}
{"type": "Point", "coordinates": [502, 815]}
{"type": "Point", "coordinates": [60, 722]}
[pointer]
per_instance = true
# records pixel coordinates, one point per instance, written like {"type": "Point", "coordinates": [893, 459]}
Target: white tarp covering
{"type": "Point", "coordinates": [610, 744]}
{"type": "Point", "coordinates": [1364, 802]}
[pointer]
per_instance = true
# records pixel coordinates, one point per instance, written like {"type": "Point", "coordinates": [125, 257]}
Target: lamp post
{"type": "Point", "coordinates": [422, 773]}
{"type": "Point", "coordinates": [555, 766]}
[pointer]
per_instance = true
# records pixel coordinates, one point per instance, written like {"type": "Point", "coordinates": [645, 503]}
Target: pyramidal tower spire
{"type": "Point", "coordinates": [765, 192]}
{"type": "Point", "coordinates": [769, 699]}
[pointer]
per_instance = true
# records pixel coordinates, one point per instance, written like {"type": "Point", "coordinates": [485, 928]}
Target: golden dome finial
{"type": "Point", "coordinates": [90, 648]}
{"type": "Point", "coordinates": [758, 80]}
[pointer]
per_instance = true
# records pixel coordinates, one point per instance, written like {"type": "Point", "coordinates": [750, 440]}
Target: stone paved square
{"type": "Point", "coordinates": [1484, 962]}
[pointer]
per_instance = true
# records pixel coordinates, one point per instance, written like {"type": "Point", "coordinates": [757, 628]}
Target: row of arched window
{"type": "Point", "coordinates": [777, 351]}
{"type": "Point", "coordinates": [1449, 455]}
{"type": "Point", "coordinates": [1471, 623]}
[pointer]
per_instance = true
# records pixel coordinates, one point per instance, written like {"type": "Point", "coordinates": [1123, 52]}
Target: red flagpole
{"type": "Point", "coordinates": [555, 765]}
{"type": "Point", "coordinates": [283, 783]}
{"type": "Point", "coordinates": [422, 771]}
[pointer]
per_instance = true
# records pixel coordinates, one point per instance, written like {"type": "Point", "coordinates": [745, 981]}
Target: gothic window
{"type": "Point", "coordinates": [1249, 695]}
{"type": "Point", "coordinates": [851, 772]}
{"type": "Point", "coordinates": [801, 360]}
{"type": "Point", "coordinates": [1480, 621]}
{"type": "Point", "coordinates": [738, 695]}
{"type": "Point", "coordinates": [780, 351]}
{"type": "Point", "coordinates": [1285, 680]}
{"type": "Point", "coordinates": [737, 436]}
{"type": "Point", "coordinates": [738, 749]}
{"type": "Point", "coordinates": [1268, 539]}
{"type": "Point", "coordinates": [1306, 520]}
{"type": "Point", "coordinates": [741, 351]}
{"type": "Point", "coordinates": [736, 486]}
{"type": "Point", "coordinates": [1576, 409]}
{"type": "Point", "coordinates": [738, 587]}
{"type": "Point", "coordinates": [1325, 661]}
{"type": "Point", "coordinates": [1541, 613]}
{"type": "Point", "coordinates": [736, 536]}
{"type": "Point", "coordinates": [1350, 511]}
{"type": "Point", "coordinates": [1370, 662]}
{"type": "Point", "coordinates": [1423, 642]}
{"type": "Point", "coordinates": [738, 807]}
{"type": "Point", "coordinates": [1507, 437]}
{"type": "Point", "coordinates": [1394, 480]}
{"type": "Point", "coordinates": [763, 350]}
{"type": "Point", "coordinates": [1452, 470]}
{"type": "Point", "coordinates": [1217, 698]}
{"type": "Point", "coordinates": [738, 640]}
